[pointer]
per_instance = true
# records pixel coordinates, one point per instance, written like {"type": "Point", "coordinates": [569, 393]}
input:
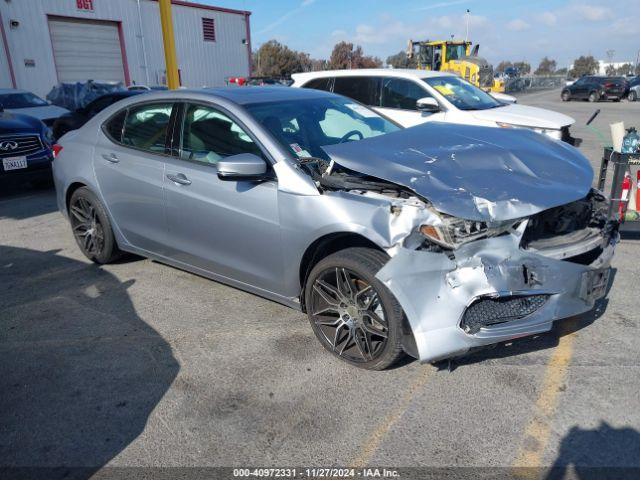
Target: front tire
{"type": "Point", "coordinates": [565, 96]}
{"type": "Point", "coordinates": [594, 97]}
{"type": "Point", "coordinates": [351, 312]}
{"type": "Point", "coordinates": [91, 227]}
{"type": "Point", "coordinates": [633, 96]}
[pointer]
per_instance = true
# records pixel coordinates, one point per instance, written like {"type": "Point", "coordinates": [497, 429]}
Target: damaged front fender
{"type": "Point", "coordinates": [436, 290]}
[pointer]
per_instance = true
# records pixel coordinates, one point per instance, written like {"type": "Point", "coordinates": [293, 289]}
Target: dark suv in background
{"type": "Point", "coordinates": [74, 120]}
{"type": "Point", "coordinates": [25, 148]}
{"type": "Point", "coordinates": [594, 89]}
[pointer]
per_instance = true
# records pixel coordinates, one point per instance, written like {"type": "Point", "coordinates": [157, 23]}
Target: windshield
{"type": "Point", "coordinates": [462, 94]}
{"type": "Point", "coordinates": [456, 52]}
{"type": "Point", "coordinates": [304, 126]}
{"type": "Point", "coordinates": [21, 100]}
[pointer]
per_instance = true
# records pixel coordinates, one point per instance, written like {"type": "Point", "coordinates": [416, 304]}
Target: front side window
{"type": "Point", "coordinates": [304, 126]}
{"type": "Point", "coordinates": [209, 135]}
{"type": "Point", "coordinates": [462, 94]}
{"type": "Point", "coordinates": [362, 89]}
{"type": "Point", "coordinates": [146, 127]}
{"type": "Point", "coordinates": [401, 93]}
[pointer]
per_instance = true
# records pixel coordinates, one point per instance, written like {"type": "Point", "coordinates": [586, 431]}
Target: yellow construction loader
{"type": "Point", "coordinates": [455, 56]}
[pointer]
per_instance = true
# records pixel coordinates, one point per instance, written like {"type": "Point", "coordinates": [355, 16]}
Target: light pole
{"type": "Point", "coordinates": [467, 15]}
{"type": "Point", "coordinates": [170, 59]}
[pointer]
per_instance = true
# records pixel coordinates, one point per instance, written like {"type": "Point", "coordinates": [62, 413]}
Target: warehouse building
{"type": "Point", "coordinates": [45, 42]}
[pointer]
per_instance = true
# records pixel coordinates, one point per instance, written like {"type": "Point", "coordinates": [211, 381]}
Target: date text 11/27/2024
{"type": "Point", "coordinates": [316, 472]}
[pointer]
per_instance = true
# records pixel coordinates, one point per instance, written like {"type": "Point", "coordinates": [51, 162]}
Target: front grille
{"type": "Point", "coordinates": [13, 145]}
{"type": "Point", "coordinates": [491, 311]}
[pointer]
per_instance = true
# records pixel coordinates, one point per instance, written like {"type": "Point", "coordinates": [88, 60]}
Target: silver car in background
{"type": "Point", "coordinates": [431, 240]}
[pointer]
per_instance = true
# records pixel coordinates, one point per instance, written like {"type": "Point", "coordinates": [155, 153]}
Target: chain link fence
{"type": "Point", "coordinates": [533, 83]}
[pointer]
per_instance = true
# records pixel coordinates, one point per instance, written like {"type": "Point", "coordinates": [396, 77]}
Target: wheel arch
{"type": "Point", "coordinates": [326, 245]}
{"type": "Point", "coordinates": [70, 190]}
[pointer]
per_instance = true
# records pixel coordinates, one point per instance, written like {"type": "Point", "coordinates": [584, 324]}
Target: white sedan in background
{"type": "Point", "coordinates": [412, 97]}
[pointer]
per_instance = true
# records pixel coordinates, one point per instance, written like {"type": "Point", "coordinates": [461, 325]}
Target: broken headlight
{"type": "Point", "coordinates": [453, 232]}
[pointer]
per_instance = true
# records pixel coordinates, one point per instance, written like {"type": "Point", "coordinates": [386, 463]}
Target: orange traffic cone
{"type": "Point", "coordinates": [624, 197]}
{"type": "Point", "coordinates": [638, 190]}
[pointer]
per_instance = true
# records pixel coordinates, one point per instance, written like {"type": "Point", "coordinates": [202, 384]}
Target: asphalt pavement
{"type": "Point", "coordinates": [137, 364]}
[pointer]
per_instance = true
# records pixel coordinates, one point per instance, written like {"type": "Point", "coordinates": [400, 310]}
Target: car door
{"type": "Point", "coordinates": [580, 88]}
{"type": "Point", "coordinates": [398, 102]}
{"type": "Point", "coordinates": [129, 165]}
{"type": "Point", "coordinates": [226, 227]}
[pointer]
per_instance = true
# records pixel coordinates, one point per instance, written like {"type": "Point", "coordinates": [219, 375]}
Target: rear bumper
{"type": "Point", "coordinates": [436, 291]}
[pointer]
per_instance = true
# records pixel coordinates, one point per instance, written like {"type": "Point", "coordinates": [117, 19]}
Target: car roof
{"type": "Point", "coordinates": [372, 72]}
{"type": "Point", "coordinates": [245, 95]}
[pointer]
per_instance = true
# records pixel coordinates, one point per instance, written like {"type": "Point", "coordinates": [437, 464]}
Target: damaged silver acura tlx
{"type": "Point", "coordinates": [431, 240]}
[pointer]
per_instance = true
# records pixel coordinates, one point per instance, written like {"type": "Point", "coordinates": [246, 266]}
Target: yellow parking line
{"type": "Point", "coordinates": [375, 438]}
{"type": "Point", "coordinates": [536, 435]}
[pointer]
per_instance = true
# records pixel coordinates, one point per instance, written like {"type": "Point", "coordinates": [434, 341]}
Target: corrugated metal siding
{"type": "Point", "coordinates": [201, 63]}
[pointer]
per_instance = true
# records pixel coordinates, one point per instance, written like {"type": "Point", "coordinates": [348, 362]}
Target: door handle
{"type": "Point", "coordinates": [110, 157]}
{"type": "Point", "coordinates": [179, 178]}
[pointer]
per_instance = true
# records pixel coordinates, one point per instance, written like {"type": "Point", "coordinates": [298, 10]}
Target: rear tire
{"type": "Point", "coordinates": [633, 96]}
{"type": "Point", "coordinates": [351, 312]}
{"type": "Point", "coordinates": [91, 227]}
{"type": "Point", "coordinates": [594, 97]}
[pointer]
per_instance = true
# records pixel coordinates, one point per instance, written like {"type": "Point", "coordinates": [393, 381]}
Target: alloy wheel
{"type": "Point", "coordinates": [348, 314]}
{"type": "Point", "coordinates": [87, 228]}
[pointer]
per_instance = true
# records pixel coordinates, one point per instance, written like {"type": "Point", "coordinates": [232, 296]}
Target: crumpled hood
{"type": "Point", "coordinates": [476, 173]}
{"type": "Point", "coordinates": [525, 116]}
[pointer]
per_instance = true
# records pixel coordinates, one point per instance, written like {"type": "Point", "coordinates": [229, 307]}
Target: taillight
{"type": "Point", "coordinates": [56, 149]}
{"type": "Point", "coordinates": [609, 85]}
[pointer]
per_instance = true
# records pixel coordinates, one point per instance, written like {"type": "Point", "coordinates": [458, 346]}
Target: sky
{"type": "Point", "coordinates": [506, 30]}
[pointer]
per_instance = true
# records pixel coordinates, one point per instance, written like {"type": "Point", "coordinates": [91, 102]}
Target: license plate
{"type": "Point", "coordinates": [594, 284]}
{"type": "Point", "coordinates": [14, 163]}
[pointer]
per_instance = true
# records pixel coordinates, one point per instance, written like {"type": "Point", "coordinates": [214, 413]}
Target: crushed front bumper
{"type": "Point", "coordinates": [436, 291]}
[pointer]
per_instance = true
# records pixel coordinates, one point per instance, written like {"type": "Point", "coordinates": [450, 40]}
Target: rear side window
{"type": "Point", "coordinates": [401, 93]}
{"type": "Point", "coordinates": [319, 84]}
{"type": "Point", "coordinates": [113, 128]}
{"type": "Point", "coordinates": [362, 89]}
{"type": "Point", "coordinates": [146, 127]}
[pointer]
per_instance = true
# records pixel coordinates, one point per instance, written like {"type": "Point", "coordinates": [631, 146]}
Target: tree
{"type": "Point", "coordinates": [610, 70]}
{"type": "Point", "coordinates": [546, 67]}
{"type": "Point", "coordinates": [400, 60]}
{"type": "Point", "coordinates": [276, 60]}
{"type": "Point", "coordinates": [523, 67]}
{"type": "Point", "coordinates": [584, 66]}
{"type": "Point", "coordinates": [625, 69]}
{"type": "Point", "coordinates": [344, 56]}
{"type": "Point", "coordinates": [562, 71]}
{"type": "Point", "coordinates": [503, 65]}
{"type": "Point", "coordinates": [637, 71]}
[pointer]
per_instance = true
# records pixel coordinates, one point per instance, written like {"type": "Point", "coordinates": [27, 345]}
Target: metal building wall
{"type": "Point", "coordinates": [201, 63]}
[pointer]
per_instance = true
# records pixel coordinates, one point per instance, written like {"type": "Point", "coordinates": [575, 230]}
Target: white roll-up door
{"type": "Point", "coordinates": [86, 50]}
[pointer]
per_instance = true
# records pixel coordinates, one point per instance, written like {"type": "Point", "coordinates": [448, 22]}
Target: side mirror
{"type": "Point", "coordinates": [428, 104]}
{"type": "Point", "coordinates": [244, 166]}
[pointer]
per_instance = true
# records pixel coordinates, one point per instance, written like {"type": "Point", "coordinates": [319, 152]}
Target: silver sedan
{"type": "Point", "coordinates": [431, 240]}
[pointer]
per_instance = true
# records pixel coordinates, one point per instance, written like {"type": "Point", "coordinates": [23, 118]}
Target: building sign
{"type": "Point", "coordinates": [85, 5]}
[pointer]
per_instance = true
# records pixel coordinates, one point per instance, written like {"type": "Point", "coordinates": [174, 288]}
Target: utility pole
{"type": "Point", "coordinates": [171, 61]}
